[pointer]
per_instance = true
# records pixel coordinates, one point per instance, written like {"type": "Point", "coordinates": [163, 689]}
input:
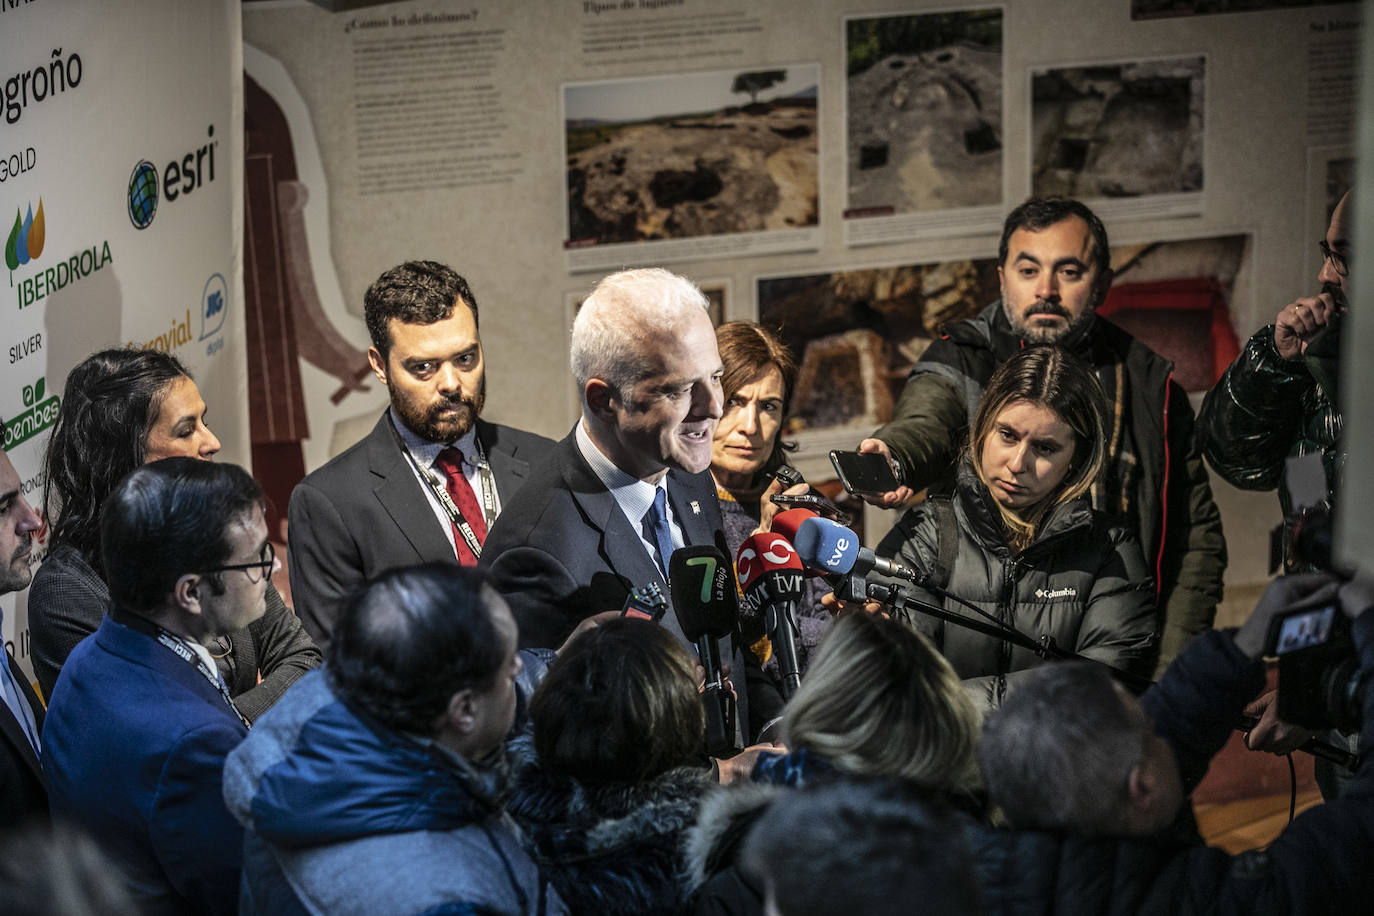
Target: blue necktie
{"type": "Point", "coordinates": [657, 530]}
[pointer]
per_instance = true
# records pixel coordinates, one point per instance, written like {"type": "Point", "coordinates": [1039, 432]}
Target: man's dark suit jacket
{"type": "Point", "coordinates": [563, 550]}
{"type": "Point", "coordinates": [23, 794]}
{"type": "Point", "coordinates": [364, 513]}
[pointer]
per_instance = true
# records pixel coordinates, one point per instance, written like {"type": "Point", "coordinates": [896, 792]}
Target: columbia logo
{"type": "Point", "coordinates": [1056, 593]}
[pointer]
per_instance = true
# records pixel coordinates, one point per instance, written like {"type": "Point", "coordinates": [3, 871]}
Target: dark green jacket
{"type": "Point", "coordinates": [1169, 499]}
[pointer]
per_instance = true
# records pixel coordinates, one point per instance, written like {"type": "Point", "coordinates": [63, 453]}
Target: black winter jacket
{"type": "Point", "coordinates": [1081, 581]}
{"type": "Point", "coordinates": [1266, 409]}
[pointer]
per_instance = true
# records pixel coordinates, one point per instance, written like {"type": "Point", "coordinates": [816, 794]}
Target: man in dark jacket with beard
{"type": "Point", "coordinates": [1055, 269]}
{"type": "Point", "coordinates": [1094, 781]}
{"type": "Point", "coordinates": [375, 784]}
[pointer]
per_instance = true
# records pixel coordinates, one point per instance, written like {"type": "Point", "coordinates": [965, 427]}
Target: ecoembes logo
{"type": "Point", "coordinates": [36, 416]}
{"type": "Point", "coordinates": [180, 176]}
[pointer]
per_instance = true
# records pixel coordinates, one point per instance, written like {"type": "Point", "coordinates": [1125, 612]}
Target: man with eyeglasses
{"type": "Point", "coordinates": [140, 721]}
{"type": "Point", "coordinates": [1279, 400]}
{"type": "Point", "coordinates": [1279, 396]}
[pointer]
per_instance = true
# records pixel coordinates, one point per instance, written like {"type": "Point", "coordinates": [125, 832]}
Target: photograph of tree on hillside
{"type": "Point", "coordinates": [691, 155]}
{"type": "Point", "coordinates": [924, 111]}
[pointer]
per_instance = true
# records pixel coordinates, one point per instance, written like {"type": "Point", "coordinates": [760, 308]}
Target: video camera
{"type": "Point", "coordinates": [1319, 673]}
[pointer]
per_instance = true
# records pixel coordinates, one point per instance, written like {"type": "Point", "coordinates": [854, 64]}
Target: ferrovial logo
{"type": "Point", "coordinates": [181, 176]}
{"type": "Point", "coordinates": [26, 238]}
{"type": "Point", "coordinates": [38, 415]}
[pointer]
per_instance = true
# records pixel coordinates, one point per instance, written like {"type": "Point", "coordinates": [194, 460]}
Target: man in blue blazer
{"type": "Point", "coordinates": [630, 483]}
{"type": "Point", "coordinates": [140, 722]}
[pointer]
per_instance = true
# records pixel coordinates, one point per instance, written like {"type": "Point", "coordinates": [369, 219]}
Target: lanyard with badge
{"type": "Point", "coordinates": [440, 491]}
{"type": "Point", "coordinates": [181, 649]}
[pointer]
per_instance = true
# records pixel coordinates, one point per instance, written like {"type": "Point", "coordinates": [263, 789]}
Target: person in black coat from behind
{"type": "Point", "coordinates": [605, 810]}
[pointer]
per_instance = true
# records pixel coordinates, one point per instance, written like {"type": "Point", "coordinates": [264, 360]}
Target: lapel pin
{"type": "Point", "coordinates": [696, 507]}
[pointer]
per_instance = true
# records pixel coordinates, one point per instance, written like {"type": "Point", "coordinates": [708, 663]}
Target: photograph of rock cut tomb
{"type": "Point", "coordinates": [924, 111]}
{"type": "Point", "coordinates": [692, 154]}
{"type": "Point", "coordinates": [1118, 130]}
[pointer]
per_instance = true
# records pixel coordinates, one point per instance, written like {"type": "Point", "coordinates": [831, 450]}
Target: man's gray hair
{"type": "Point", "coordinates": [625, 314]}
{"type": "Point", "coordinates": [1059, 752]}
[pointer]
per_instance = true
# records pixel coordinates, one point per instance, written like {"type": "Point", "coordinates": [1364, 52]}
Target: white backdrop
{"type": "Point", "coordinates": [156, 83]}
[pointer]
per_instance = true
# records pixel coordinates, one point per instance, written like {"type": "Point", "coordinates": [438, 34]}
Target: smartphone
{"type": "Point", "coordinates": [864, 473]}
{"type": "Point", "coordinates": [1300, 630]}
{"type": "Point", "coordinates": [817, 504]}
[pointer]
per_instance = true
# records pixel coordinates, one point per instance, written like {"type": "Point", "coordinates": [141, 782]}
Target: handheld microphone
{"type": "Point", "coordinates": [705, 606]}
{"type": "Point", "coordinates": [788, 521]}
{"type": "Point", "coordinates": [786, 524]}
{"type": "Point", "coordinates": [833, 548]}
{"type": "Point", "coordinates": [770, 572]}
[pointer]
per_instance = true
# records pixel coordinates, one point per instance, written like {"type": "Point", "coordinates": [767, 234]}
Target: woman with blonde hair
{"type": "Point", "coordinates": [878, 703]}
{"type": "Point", "coordinates": [1017, 540]}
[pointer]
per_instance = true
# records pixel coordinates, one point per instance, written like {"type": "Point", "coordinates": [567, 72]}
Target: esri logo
{"type": "Point", "coordinates": [179, 177]}
{"type": "Point", "coordinates": [26, 238]}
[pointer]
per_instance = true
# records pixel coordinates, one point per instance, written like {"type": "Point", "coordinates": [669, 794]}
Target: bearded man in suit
{"type": "Point", "coordinates": [431, 477]}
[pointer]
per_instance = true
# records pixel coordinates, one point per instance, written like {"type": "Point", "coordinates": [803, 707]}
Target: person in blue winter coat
{"type": "Point", "coordinates": [375, 784]}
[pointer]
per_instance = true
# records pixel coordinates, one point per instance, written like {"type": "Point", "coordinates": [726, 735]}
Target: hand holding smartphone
{"type": "Point", "coordinates": [864, 473]}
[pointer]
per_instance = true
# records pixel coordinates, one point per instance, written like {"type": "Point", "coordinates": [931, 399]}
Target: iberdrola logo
{"type": "Point", "coordinates": [26, 238]}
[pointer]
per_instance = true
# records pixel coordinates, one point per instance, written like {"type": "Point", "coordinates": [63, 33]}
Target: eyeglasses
{"type": "Point", "coordinates": [264, 566]}
{"type": "Point", "coordinates": [1335, 257]}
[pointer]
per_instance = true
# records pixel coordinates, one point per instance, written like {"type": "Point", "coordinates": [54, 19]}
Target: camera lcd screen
{"type": "Point", "coordinates": [1304, 630]}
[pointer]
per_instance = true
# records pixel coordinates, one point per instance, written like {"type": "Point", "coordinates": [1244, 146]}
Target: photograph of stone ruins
{"type": "Point", "coordinates": [1118, 130]}
{"type": "Point", "coordinates": [692, 155]}
{"type": "Point", "coordinates": [924, 111]}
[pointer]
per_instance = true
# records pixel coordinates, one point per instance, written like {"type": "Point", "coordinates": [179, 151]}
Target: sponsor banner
{"type": "Point", "coordinates": [118, 213]}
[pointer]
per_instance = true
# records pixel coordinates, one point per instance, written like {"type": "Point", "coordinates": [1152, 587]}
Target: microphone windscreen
{"type": "Point", "coordinates": [826, 545]}
{"type": "Point", "coordinates": [787, 522]}
{"type": "Point", "coordinates": [702, 590]}
{"type": "Point", "coordinates": [763, 552]}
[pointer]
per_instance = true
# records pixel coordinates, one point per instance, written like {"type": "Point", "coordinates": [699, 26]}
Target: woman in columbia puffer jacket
{"type": "Point", "coordinates": [1018, 538]}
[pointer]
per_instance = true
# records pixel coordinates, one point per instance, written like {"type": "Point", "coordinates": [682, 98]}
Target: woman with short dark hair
{"type": "Point", "coordinates": [610, 779]}
{"type": "Point", "coordinates": [746, 452]}
{"type": "Point", "coordinates": [122, 409]}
